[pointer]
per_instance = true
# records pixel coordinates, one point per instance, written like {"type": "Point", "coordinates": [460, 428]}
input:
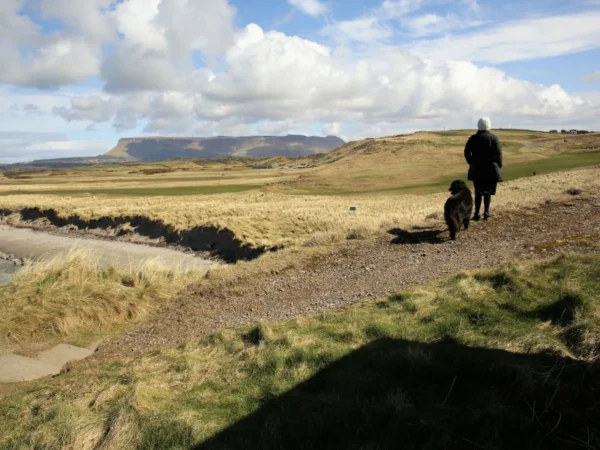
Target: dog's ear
{"type": "Point", "coordinates": [455, 186]}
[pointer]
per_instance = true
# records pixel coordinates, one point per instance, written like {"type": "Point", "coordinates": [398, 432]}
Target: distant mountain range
{"type": "Point", "coordinates": [162, 148]}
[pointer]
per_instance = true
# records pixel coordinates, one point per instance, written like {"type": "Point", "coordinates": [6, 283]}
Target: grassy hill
{"type": "Point", "coordinates": [161, 148]}
{"type": "Point", "coordinates": [427, 161]}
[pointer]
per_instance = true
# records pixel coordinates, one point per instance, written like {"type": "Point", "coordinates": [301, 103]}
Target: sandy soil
{"type": "Point", "coordinates": [25, 243]}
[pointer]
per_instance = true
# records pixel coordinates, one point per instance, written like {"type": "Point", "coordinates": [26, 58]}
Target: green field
{"type": "Point", "coordinates": [141, 192]}
{"type": "Point", "coordinates": [137, 179]}
{"type": "Point", "coordinates": [552, 164]}
{"type": "Point", "coordinates": [560, 163]}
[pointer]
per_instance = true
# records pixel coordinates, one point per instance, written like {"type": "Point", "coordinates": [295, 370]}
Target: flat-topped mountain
{"type": "Point", "coordinates": [163, 148]}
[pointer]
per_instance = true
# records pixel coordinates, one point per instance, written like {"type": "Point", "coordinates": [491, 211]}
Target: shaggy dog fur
{"type": "Point", "coordinates": [458, 208]}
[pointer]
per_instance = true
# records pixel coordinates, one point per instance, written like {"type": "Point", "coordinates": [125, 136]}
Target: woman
{"type": "Point", "coordinates": [483, 153]}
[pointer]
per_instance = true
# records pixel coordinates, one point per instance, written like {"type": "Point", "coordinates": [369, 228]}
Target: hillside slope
{"type": "Point", "coordinates": [160, 148]}
{"type": "Point", "coordinates": [426, 162]}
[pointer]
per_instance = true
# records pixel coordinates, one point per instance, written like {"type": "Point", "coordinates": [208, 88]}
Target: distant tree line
{"type": "Point", "coordinates": [572, 131]}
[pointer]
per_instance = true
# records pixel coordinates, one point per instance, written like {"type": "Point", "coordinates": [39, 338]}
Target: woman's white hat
{"type": "Point", "coordinates": [484, 124]}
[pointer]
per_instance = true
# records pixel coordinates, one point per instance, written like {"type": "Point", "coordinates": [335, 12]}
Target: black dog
{"type": "Point", "coordinates": [458, 208]}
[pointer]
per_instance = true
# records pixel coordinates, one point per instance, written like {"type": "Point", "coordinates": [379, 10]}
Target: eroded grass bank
{"type": "Point", "coordinates": [245, 225]}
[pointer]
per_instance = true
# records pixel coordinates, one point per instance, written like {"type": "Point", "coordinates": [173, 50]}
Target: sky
{"type": "Point", "coordinates": [77, 75]}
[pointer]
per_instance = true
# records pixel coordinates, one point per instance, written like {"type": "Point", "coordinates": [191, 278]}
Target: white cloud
{"type": "Point", "coordinates": [30, 108]}
{"type": "Point", "coordinates": [156, 43]}
{"type": "Point", "coordinates": [400, 18]}
{"type": "Point", "coordinates": [130, 70]}
{"type": "Point", "coordinates": [332, 129]}
{"type": "Point", "coordinates": [205, 25]}
{"type": "Point", "coordinates": [159, 37]}
{"type": "Point", "coordinates": [472, 5]}
{"type": "Point", "coordinates": [363, 29]}
{"type": "Point", "coordinates": [428, 24]}
{"type": "Point", "coordinates": [272, 80]}
{"type": "Point", "coordinates": [591, 77]}
{"type": "Point", "coordinates": [18, 111]}
{"type": "Point", "coordinates": [173, 28]}
{"type": "Point", "coordinates": [60, 61]}
{"type": "Point", "coordinates": [257, 82]}
{"type": "Point", "coordinates": [27, 109]}
{"type": "Point", "coordinates": [520, 40]}
{"type": "Point", "coordinates": [400, 8]}
{"type": "Point", "coordinates": [310, 7]}
{"type": "Point", "coordinates": [94, 108]}
{"type": "Point", "coordinates": [136, 21]}
{"type": "Point", "coordinates": [92, 18]}
{"type": "Point", "coordinates": [28, 58]}
{"type": "Point", "coordinates": [93, 147]}
{"type": "Point", "coordinates": [27, 146]}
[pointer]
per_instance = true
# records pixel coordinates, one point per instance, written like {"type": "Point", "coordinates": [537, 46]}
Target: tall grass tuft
{"type": "Point", "coordinates": [70, 297]}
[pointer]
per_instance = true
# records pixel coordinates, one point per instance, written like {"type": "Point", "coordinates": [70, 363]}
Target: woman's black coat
{"type": "Point", "coordinates": [483, 153]}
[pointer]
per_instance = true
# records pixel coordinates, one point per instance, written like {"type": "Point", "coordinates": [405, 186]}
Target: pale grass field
{"type": "Point", "coordinates": [259, 179]}
{"type": "Point", "coordinates": [103, 177]}
{"type": "Point", "coordinates": [263, 218]}
{"type": "Point", "coordinates": [419, 161]}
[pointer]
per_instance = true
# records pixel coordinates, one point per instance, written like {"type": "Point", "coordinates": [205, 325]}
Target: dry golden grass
{"type": "Point", "coordinates": [69, 297]}
{"type": "Point", "coordinates": [280, 219]}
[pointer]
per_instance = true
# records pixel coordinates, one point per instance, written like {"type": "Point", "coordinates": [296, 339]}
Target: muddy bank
{"type": "Point", "coordinates": [29, 244]}
{"type": "Point", "coordinates": [218, 243]}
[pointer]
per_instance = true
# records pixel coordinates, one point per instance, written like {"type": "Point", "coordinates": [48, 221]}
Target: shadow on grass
{"type": "Point", "coordinates": [417, 235]}
{"type": "Point", "coordinates": [561, 312]}
{"type": "Point", "coordinates": [401, 395]}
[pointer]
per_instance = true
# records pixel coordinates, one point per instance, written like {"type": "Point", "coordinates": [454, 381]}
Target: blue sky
{"type": "Point", "coordinates": [76, 75]}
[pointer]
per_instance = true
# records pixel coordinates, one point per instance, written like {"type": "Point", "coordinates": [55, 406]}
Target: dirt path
{"type": "Point", "coordinates": [363, 271]}
{"type": "Point", "coordinates": [25, 243]}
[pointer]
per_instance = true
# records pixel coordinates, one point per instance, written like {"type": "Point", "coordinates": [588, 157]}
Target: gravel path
{"type": "Point", "coordinates": [26, 243]}
{"type": "Point", "coordinates": [362, 271]}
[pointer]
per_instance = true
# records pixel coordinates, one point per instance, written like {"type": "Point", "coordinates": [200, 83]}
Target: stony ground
{"type": "Point", "coordinates": [362, 271]}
